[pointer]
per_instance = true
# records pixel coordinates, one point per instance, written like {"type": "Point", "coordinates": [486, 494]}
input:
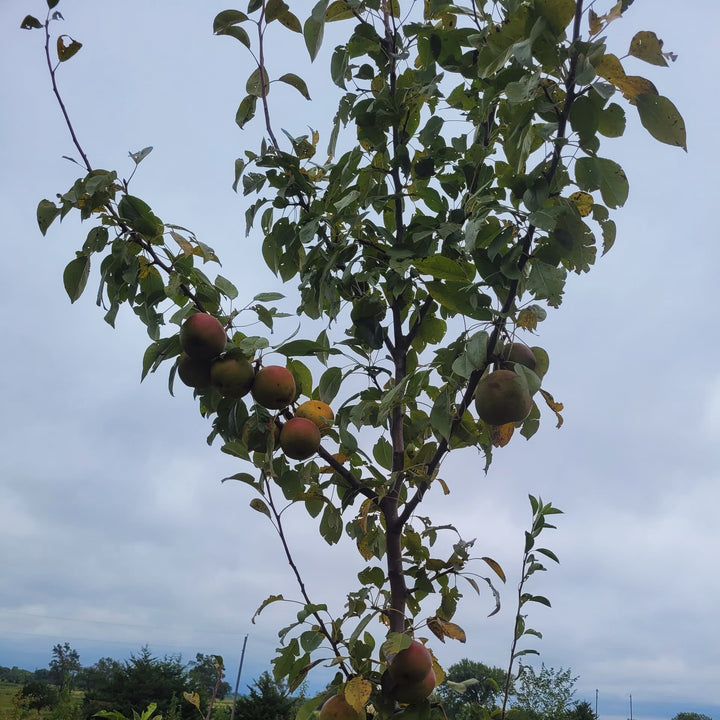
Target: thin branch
{"type": "Point", "coordinates": [301, 584]}
{"type": "Point", "coordinates": [263, 87]}
{"type": "Point", "coordinates": [56, 92]}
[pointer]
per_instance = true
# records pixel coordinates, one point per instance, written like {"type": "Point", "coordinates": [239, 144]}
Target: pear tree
{"type": "Point", "coordinates": [423, 234]}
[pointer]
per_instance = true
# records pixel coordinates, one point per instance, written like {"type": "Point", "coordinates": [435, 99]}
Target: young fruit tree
{"type": "Point", "coordinates": [463, 180]}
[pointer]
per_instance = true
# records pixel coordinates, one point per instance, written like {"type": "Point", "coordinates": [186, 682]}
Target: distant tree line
{"type": "Point", "coordinates": [123, 686]}
{"type": "Point", "coordinates": [472, 691]}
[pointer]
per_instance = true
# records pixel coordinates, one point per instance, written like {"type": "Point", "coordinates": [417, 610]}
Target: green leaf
{"type": "Point", "coordinates": [30, 23]}
{"type": "Point", "coordinates": [242, 477]}
{"type": "Point", "coordinates": [647, 46]}
{"type": "Point", "coordinates": [259, 505]}
{"type": "Point", "coordinates": [558, 13]}
{"type": "Point", "coordinates": [268, 297]}
{"type": "Point", "coordinates": [338, 10]}
{"type": "Point", "coordinates": [594, 173]}
{"type": "Point", "coordinates": [46, 213]}
{"type": "Point", "coordinates": [226, 287]}
{"type": "Point", "coordinates": [140, 155]}
{"type": "Point", "coordinates": [330, 383]}
{"type": "Point", "coordinates": [394, 643]}
{"type": "Point", "coordinates": [460, 298]}
{"type": "Point", "coordinates": [443, 268]}
{"type": "Point", "coordinates": [75, 276]}
{"type": "Point", "coordinates": [331, 524]}
{"type": "Point", "coordinates": [299, 348]}
{"type": "Point", "coordinates": [139, 216]}
{"type": "Point", "coordinates": [612, 121]}
{"type": "Point", "coordinates": [383, 453]}
{"type": "Point", "coordinates": [297, 82]}
{"type": "Point", "coordinates": [226, 19]}
{"type": "Point", "coordinates": [661, 119]}
{"type": "Point", "coordinates": [258, 84]}
{"type": "Point", "coordinates": [273, 9]}
{"type": "Point", "coordinates": [267, 601]}
{"type": "Point", "coordinates": [290, 21]}
{"type": "Point", "coordinates": [441, 415]}
{"type": "Point", "coordinates": [314, 29]}
{"type": "Point", "coordinates": [547, 282]}
{"type": "Point", "coordinates": [246, 110]}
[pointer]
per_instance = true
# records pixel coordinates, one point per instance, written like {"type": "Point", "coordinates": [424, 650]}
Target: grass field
{"type": "Point", "coordinates": [7, 693]}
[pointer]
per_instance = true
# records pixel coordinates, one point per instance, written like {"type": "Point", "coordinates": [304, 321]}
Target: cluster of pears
{"type": "Point", "coordinates": [204, 363]}
{"type": "Point", "coordinates": [502, 396]}
{"type": "Point", "coordinates": [409, 679]}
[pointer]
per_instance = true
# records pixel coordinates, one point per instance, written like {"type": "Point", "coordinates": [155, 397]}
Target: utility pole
{"type": "Point", "coordinates": [596, 700]}
{"type": "Point", "coordinates": [631, 717]}
{"type": "Point", "coordinates": [237, 681]}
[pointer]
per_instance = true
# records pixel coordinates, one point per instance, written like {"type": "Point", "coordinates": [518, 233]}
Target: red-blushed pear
{"type": "Point", "coordinates": [338, 708]}
{"type": "Point", "coordinates": [502, 397]}
{"type": "Point", "coordinates": [232, 375]}
{"type": "Point", "coordinates": [274, 387]}
{"type": "Point", "coordinates": [300, 438]}
{"type": "Point", "coordinates": [194, 373]}
{"type": "Point", "coordinates": [202, 336]}
{"type": "Point", "coordinates": [411, 665]}
{"type": "Point", "coordinates": [317, 411]}
{"type": "Point", "coordinates": [414, 693]}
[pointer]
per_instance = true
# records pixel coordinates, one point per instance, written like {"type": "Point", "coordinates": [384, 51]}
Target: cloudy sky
{"type": "Point", "coordinates": [116, 531]}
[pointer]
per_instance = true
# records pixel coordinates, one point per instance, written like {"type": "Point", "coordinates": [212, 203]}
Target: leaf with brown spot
{"type": "Point", "coordinates": [65, 52]}
{"type": "Point", "coordinates": [193, 698]}
{"type": "Point", "coordinates": [583, 202]}
{"type": "Point", "coordinates": [357, 693]}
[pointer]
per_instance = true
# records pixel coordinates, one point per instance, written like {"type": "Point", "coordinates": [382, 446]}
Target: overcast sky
{"type": "Point", "coordinates": [116, 530]}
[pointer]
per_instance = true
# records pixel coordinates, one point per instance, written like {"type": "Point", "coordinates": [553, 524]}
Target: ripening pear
{"type": "Point", "coordinates": [202, 336]}
{"type": "Point", "coordinates": [502, 397]}
{"type": "Point", "coordinates": [274, 387]}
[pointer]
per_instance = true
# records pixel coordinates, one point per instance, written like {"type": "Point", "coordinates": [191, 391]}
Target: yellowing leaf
{"type": "Point", "coordinates": [527, 319]}
{"type": "Point", "coordinates": [435, 627]}
{"type": "Point", "coordinates": [363, 547]}
{"type": "Point", "coordinates": [454, 631]}
{"type": "Point", "coordinates": [193, 698]}
{"type": "Point", "coordinates": [496, 567]}
{"type": "Point", "coordinates": [364, 510]}
{"type": "Point", "coordinates": [610, 68]}
{"type": "Point", "coordinates": [340, 457]}
{"type": "Point", "coordinates": [556, 407]}
{"type": "Point", "coordinates": [357, 693]}
{"type": "Point", "coordinates": [596, 24]}
{"type": "Point", "coordinates": [443, 485]}
{"type": "Point", "coordinates": [501, 434]}
{"type": "Point", "coordinates": [583, 202]}
{"type": "Point", "coordinates": [443, 628]}
{"type": "Point", "coordinates": [438, 670]}
{"type": "Point", "coordinates": [633, 85]}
